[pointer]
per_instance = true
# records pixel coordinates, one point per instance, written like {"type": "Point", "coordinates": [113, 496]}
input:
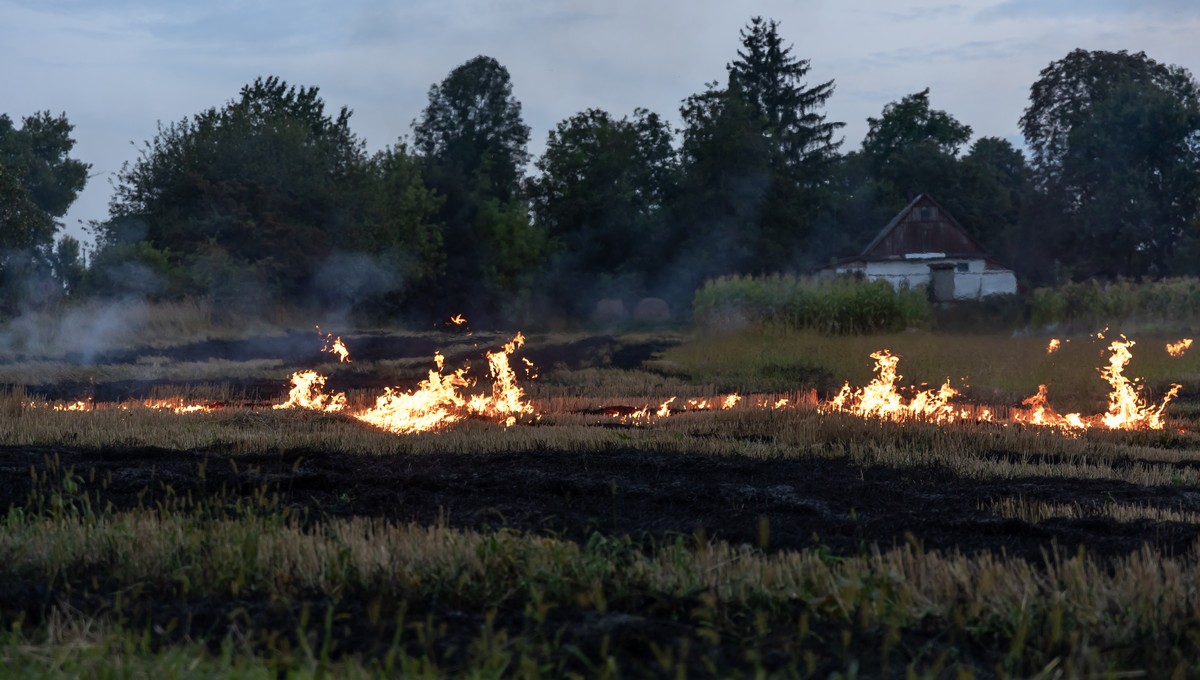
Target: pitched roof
{"type": "Point", "coordinates": [922, 231]}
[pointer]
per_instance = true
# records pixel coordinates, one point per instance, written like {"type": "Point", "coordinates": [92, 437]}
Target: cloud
{"type": "Point", "coordinates": [1090, 9]}
{"type": "Point", "coordinates": [117, 68]}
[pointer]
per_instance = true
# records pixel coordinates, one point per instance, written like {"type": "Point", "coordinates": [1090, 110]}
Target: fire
{"type": "Point", "coordinates": [458, 320]}
{"type": "Point", "coordinates": [176, 406]}
{"type": "Point", "coordinates": [880, 398]}
{"type": "Point", "coordinates": [507, 396]}
{"type": "Point", "coordinates": [1127, 409]}
{"type": "Point", "coordinates": [307, 393]}
{"type": "Point", "coordinates": [730, 401]}
{"type": "Point", "coordinates": [1176, 349]}
{"type": "Point", "coordinates": [1040, 413]}
{"type": "Point", "coordinates": [439, 400]}
{"type": "Point", "coordinates": [433, 404]}
{"type": "Point", "coordinates": [338, 348]}
{"type": "Point", "coordinates": [1053, 346]}
{"type": "Point", "coordinates": [335, 346]}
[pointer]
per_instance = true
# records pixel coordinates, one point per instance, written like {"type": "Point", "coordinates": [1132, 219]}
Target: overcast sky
{"type": "Point", "coordinates": [118, 67]}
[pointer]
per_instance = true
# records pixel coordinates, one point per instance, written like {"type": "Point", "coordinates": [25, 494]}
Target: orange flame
{"type": "Point", "coordinates": [880, 398]}
{"type": "Point", "coordinates": [438, 402]}
{"type": "Point", "coordinates": [1053, 346]}
{"type": "Point", "coordinates": [176, 406]}
{"type": "Point", "coordinates": [1040, 413]}
{"type": "Point", "coordinates": [307, 393]}
{"type": "Point", "coordinates": [431, 406]}
{"type": "Point", "coordinates": [1176, 349]}
{"type": "Point", "coordinates": [1127, 409]}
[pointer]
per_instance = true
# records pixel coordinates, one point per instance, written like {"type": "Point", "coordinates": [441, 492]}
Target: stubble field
{"type": "Point", "coordinates": [588, 539]}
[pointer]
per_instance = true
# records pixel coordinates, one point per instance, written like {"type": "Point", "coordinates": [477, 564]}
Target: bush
{"type": "Point", "coordinates": [841, 305]}
{"type": "Point", "coordinates": [1091, 304]}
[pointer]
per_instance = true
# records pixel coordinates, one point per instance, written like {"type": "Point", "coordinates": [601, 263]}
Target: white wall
{"type": "Point", "coordinates": [973, 286]}
{"type": "Point", "coordinates": [977, 282]}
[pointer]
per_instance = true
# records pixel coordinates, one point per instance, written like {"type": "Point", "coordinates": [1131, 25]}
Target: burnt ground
{"type": "Point", "coordinates": [831, 504]}
{"type": "Point", "coordinates": [298, 350]}
{"type": "Point", "coordinates": [806, 502]}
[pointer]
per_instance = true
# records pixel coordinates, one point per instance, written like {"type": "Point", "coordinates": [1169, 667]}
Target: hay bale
{"type": "Point", "coordinates": [652, 310]}
{"type": "Point", "coordinates": [609, 311]}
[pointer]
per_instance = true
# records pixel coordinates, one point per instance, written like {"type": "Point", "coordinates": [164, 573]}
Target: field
{"type": "Point", "coordinates": [592, 537]}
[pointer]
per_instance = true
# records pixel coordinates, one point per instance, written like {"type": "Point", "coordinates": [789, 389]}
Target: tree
{"type": "Point", "coordinates": [993, 193]}
{"type": "Point", "coordinates": [913, 149]}
{"type": "Point", "coordinates": [472, 129]}
{"type": "Point", "coordinates": [770, 79]}
{"type": "Point", "coordinates": [37, 157]}
{"type": "Point", "coordinates": [252, 198]}
{"type": "Point", "coordinates": [726, 164]}
{"type": "Point", "coordinates": [38, 183]}
{"type": "Point", "coordinates": [1116, 156]}
{"type": "Point", "coordinates": [799, 139]}
{"type": "Point", "coordinates": [756, 157]}
{"type": "Point", "coordinates": [602, 196]}
{"type": "Point", "coordinates": [473, 142]}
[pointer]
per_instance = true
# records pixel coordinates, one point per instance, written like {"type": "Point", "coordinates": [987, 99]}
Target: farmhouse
{"type": "Point", "coordinates": [925, 245]}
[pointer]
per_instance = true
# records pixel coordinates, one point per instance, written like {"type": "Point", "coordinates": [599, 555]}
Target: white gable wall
{"type": "Point", "coordinates": [977, 282]}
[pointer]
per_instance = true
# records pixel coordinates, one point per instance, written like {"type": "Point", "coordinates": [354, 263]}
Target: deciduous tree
{"type": "Point", "coordinates": [1116, 151]}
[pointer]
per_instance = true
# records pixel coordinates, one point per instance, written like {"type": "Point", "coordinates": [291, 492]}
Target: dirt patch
{"type": "Point", "coordinates": [803, 503]}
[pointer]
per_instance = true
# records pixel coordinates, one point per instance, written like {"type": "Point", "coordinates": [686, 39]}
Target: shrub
{"type": "Point", "coordinates": [1091, 304]}
{"type": "Point", "coordinates": [841, 305]}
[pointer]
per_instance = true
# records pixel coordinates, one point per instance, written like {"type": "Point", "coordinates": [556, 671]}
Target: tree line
{"type": "Point", "coordinates": [271, 196]}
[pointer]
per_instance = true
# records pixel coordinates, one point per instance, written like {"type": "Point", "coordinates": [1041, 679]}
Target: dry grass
{"type": "Point", "coordinates": [1072, 613]}
{"type": "Point", "coordinates": [1034, 512]}
{"type": "Point", "coordinates": [516, 605]}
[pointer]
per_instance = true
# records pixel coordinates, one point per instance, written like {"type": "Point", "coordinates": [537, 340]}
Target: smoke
{"type": "Point", "coordinates": [76, 333]}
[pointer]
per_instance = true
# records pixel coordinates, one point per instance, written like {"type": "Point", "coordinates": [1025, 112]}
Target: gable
{"type": "Point", "coordinates": [923, 226]}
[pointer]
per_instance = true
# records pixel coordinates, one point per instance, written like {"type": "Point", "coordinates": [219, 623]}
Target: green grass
{"type": "Point", "coordinates": [992, 368]}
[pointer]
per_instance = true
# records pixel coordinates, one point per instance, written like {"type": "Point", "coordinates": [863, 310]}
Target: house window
{"type": "Point", "coordinates": [925, 213]}
{"type": "Point", "coordinates": [962, 267]}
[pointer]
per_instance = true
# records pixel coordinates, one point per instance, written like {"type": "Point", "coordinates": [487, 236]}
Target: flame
{"type": "Point", "coordinates": [730, 401]}
{"type": "Point", "coordinates": [1053, 346]}
{"type": "Point", "coordinates": [1176, 349]}
{"type": "Point", "coordinates": [1127, 409]}
{"type": "Point", "coordinates": [432, 405]}
{"type": "Point", "coordinates": [781, 403]}
{"type": "Point", "coordinates": [334, 346]}
{"type": "Point", "coordinates": [507, 397]}
{"type": "Point", "coordinates": [664, 409]}
{"type": "Point", "coordinates": [880, 399]}
{"type": "Point", "coordinates": [176, 406]}
{"type": "Point", "coordinates": [307, 393]}
{"type": "Point", "coordinates": [458, 319]}
{"type": "Point", "coordinates": [338, 348]}
{"type": "Point", "coordinates": [1040, 413]}
{"type": "Point", "coordinates": [439, 401]}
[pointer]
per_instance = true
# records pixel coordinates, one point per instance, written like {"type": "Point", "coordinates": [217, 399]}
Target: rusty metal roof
{"type": "Point", "coordinates": [923, 226]}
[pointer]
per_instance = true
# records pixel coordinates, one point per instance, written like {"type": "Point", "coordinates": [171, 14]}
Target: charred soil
{"type": "Point", "coordinates": [779, 504]}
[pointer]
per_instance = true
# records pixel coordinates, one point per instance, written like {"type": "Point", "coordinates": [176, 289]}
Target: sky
{"type": "Point", "coordinates": [118, 68]}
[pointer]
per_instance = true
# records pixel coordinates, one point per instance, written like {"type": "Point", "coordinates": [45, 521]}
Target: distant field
{"type": "Point", "coordinates": [588, 540]}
